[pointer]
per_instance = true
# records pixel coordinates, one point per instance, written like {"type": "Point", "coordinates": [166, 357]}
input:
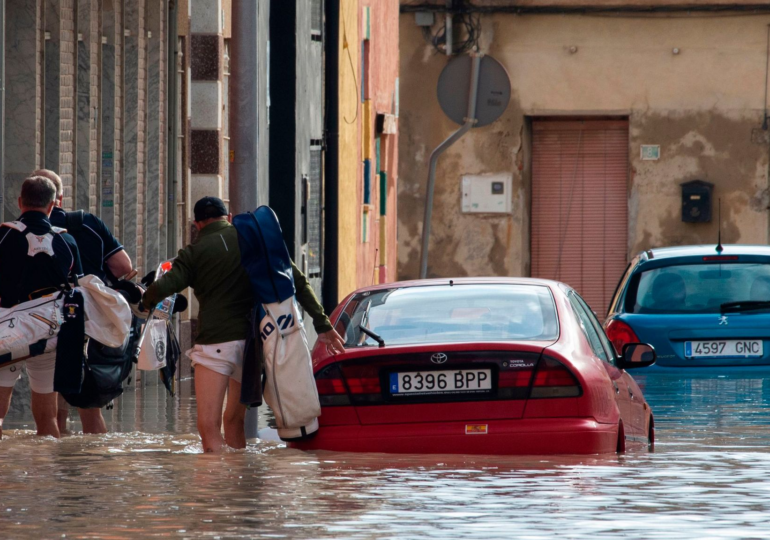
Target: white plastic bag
{"type": "Point", "coordinates": [152, 355]}
{"type": "Point", "coordinates": [108, 315]}
{"type": "Point", "coordinates": [290, 388]}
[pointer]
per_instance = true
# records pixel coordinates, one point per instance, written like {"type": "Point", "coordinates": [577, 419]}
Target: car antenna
{"type": "Point", "coordinates": [720, 249]}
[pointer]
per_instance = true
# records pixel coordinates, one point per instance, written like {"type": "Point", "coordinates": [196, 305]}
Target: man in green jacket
{"type": "Point", "coordinates": [212, 267]}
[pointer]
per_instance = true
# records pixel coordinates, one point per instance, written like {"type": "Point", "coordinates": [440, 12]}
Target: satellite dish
{"type": "Point", "coordinates": [494, 91]}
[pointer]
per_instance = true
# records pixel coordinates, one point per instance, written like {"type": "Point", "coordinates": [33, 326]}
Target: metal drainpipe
{"type": "Point", "coordinates": [244, 127]}
{"type": "Point", "coordinates": [330, 286]}
{"type": "Point", "coordinates": [244, 106]}
{"type": "Point", "coordinates": [171, 141]}
{"type": "Point", "coordinates": [470, 121]}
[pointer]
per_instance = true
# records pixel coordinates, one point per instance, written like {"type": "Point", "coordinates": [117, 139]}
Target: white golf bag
{"type": "Point", "coordinates": [27, 328]}
{"type": "Point", "coordinates": [290, 388]}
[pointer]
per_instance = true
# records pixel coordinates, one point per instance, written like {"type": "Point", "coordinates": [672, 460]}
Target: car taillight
{"type": "Point", "coordinates": [553, 379]}
{"type": "Point", "coordinates": [362, 379]}
{"type": "Point", "coordinates": [363, 383]}
{"type": "Point", "coordinates": [514, 379]}
{"type": "Point", "coordinates": [620, 334]}
{"type": "Point", "coordinates": [514, 384]}
{"type": "Point", "coordinates": [331, 387]}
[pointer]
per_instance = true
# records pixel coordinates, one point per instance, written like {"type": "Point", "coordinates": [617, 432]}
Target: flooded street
{"type": "Point", "coordinates": [706, 479]}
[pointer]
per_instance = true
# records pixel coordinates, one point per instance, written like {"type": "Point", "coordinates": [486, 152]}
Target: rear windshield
{"type": "Point", "coordinates": [698, 288]}
{"type": "Point", "coordinates": [450, 314]}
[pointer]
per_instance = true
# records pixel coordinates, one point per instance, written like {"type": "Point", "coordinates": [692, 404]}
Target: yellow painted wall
{"type": "Point", "coordinates": [350, 147]}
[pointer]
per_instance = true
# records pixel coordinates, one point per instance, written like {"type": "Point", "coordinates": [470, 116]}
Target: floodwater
{"type": "Point", "coordinates": [708, 478]}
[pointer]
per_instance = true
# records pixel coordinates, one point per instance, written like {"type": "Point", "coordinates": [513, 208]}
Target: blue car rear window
{"type": "Point", "coordinates": [451, 314]}
{"type": "Point", "coordinates": [697, 288]}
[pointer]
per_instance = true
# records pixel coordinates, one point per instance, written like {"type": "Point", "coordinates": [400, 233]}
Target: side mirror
{"type": "Point", "coordinates": [636, 355]}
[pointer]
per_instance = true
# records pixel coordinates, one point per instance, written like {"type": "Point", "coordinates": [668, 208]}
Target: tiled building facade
{"type": "Point", "coordinates": [86, 92]}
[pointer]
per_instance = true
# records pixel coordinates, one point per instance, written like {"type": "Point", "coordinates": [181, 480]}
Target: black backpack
{"type": "Point", "coordinates": [104, 372]}
{"type": "Point", "coordinates": [74, 221]}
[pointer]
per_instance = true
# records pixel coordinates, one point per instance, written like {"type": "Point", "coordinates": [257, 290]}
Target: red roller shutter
{"type": "Point", "coordinates": [580, 205]}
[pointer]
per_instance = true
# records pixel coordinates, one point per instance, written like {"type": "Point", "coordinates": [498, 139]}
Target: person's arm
{"type": "Point", "coordinates": [175, 280]}
{"type": "Point", "coordinates": [76, 270]}
{"type": "Point", "coordinates": [309, 302]}
{"type": "Point", "coordinates": [119, 263]}
{"type": "Point", "coordinates": [114, 256]}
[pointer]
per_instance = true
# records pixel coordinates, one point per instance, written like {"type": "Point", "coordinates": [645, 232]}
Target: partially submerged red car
{"type": "Point", "coordinates": [477, 366]}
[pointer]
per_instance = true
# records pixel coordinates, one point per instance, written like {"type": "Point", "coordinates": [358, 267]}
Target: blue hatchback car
{"type": "Point", "coordinates": [699, 306]}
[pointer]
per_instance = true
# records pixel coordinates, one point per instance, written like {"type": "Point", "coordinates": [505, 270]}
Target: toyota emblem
{"type": "Point", "coordinates": [438, 358]}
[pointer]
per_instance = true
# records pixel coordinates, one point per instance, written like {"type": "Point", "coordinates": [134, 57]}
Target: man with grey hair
{"type": "Point", "coordinates": [36, 259]}
{"type": "Point", "coordinates": [102, 256]}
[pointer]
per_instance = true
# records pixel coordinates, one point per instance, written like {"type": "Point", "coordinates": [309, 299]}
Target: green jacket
{"type": "Point", "coordinates": [212, 267]}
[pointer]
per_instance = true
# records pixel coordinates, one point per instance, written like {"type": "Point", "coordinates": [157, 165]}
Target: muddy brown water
{"type": "Point", "coordinates": [709, 477]}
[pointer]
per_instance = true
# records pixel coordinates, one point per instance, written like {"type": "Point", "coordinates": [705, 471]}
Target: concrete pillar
{"type": "Point", "coordinates": [163, 129]}
{"type": "Point", "coordinates": [207, 162]}
{"type": "Point", "coordinates": [133, 127]}
{"type": "Point", "coordinates": [67, 88]}
{"type": "Point", "coordinates": [119, 140]}
{"type": "Point", "coordinates": [23, 93]}
{"type": "Point", "coordinates": [83, 107]}
{"type": "Point", "coordinates": [51, 69]}
{"type": "Point", "coordinates": [107, 112]}
{"type": "Point", "coordinates": [155, 71]}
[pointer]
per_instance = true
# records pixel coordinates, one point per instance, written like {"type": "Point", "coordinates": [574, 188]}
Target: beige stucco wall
{"type": "Point", "coordinates": [703, 106]}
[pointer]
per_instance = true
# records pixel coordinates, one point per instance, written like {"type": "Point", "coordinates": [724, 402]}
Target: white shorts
{"type": "Point", "coordinates": [40, 370]}
{"type": "Point", "coordinates": [224, 358]}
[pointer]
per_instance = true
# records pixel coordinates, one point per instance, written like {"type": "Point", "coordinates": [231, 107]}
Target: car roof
{"type": "Point", "coordinates": [462, 281]}
{"type": "Point", "coordinates": [707, 249]}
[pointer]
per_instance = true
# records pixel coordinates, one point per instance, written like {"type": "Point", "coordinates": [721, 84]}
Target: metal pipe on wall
{"type": "Point", "coordinates": [244, 126]}
{"type": "Point", "coordinates": [470, 121]}
{"type": "Point", "coordinates": [244, 106]}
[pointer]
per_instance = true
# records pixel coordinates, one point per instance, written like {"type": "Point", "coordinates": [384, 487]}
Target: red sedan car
{"type": "Point", "coordinates": [477, 366]}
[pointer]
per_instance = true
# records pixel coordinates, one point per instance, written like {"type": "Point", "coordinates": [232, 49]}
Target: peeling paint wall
{"type": "Point", "coordinates": [703, 106]}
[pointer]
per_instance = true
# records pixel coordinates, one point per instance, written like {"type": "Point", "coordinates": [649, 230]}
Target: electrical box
{"type": "Point", "coordinates": [696, 201]}
{"type": "Point", "coordinates": [487, 194]}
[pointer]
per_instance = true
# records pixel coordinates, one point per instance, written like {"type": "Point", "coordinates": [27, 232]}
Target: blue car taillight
{"type": "Point", "coordinates": [620, 334]}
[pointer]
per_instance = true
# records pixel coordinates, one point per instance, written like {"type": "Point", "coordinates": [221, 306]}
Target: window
{"type": "Point", "coordinates": [314, 212]}
{"type": "Point", "coordinates": [589, 329]}
{"type": "Point", "coordinates": [451, 314]}
{"type": "Point", "coordinates": [697, 288]}
{"type": "Point", "coordinates": [316, 17]}
{"type": "Point", "coordinates": [615, 303]}
{"type": "Point", "coordinates": [603, 339]}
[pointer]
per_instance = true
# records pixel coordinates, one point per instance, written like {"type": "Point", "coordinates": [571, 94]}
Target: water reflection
{"type": "Point", "coordinates": [148, 479]}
